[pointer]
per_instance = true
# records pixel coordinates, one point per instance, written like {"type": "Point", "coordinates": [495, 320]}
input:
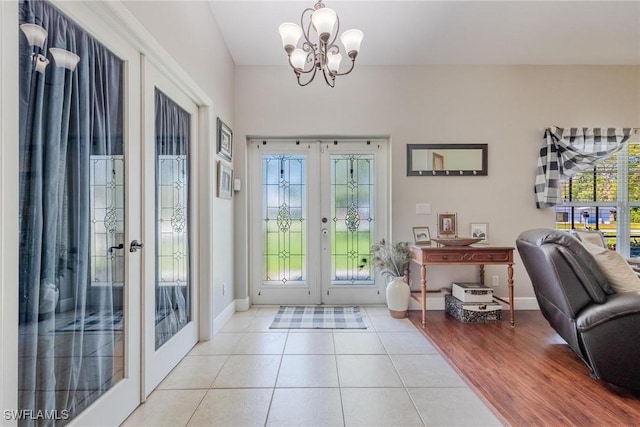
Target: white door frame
{"type": "Point", "coordinates": [317, 163]}
{"type": "Point", "coordinates": [9, 226]}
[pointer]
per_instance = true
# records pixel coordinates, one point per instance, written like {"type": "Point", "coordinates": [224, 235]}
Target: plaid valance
{"type": "Point", "coordinates": [569, 151]}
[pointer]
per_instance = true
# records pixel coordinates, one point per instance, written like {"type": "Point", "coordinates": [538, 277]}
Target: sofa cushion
{"type": "Point", "coordinates": [618, 272]}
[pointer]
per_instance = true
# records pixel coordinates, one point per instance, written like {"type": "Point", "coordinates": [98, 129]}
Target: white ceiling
{"type": "Point", "coordinates": [448, 32]}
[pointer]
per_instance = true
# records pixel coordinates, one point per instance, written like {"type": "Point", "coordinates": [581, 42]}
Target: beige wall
{"type": "Point", "coordinates": [188, 32]}
{"type": "Point", "coordinates": [506, 107]}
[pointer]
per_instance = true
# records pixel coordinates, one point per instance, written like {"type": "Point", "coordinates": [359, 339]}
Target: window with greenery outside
{"type": "Point", "coordinates": [606, 198]}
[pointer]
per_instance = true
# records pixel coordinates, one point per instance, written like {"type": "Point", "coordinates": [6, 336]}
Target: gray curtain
{"type": "Point", "coordinates": [172, 125]}
{"type": "Point", "coordinates": [65, 117]}
{"type": "Point", "coordinates": [567, 152]}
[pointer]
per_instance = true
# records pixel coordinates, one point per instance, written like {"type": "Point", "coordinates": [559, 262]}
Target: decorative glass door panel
{"type": "Point", "coordinates": [172, 249]}
{"type": "Point", "coordinates": [106, 198]}
{"type": "Point", "coordinates": [285, 219]}
{"type": "Point", "coordinates": [171, 327]}
{"type": "Point", "coordinates": [320, 210]}
{"type": "Point", "coordinates": [353, 213]}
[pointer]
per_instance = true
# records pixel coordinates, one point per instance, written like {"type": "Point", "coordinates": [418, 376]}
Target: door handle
{"type": "Point", "coordinates": [120, 246]}
{"type": "Point", "coordinates": [135, 245]}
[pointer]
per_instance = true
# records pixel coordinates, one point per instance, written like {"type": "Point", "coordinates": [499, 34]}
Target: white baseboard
{"type": "Point", "coordinates": [436, 302]}
{"type": "Point", "coordinates": [243, 304]}
{"type": "Point", "coordinates": [223, 317]}
{"type": "Point", "coordinates": [227, 313]}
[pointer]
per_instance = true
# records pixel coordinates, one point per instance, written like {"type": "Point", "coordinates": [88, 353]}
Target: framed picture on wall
{"type": "Point", "coordinates": [225, 179]}
{"type": "Point", "coordinates": [479, 230]}
{"type": "Point", "coordinates": [447, 224]}
{"type": "Point", "coordinates": [421, 235]}
{"type": "Point", "coordinates": [225, 140]}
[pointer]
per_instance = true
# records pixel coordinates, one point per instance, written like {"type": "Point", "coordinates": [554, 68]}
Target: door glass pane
{"type": "Point", "coordinates": [71, 302]}
{"type": "Point", "coordinates": [284, 219]}
{"type": "Point", "coordinates": [173, 287]}
{"type": "Point", "coordinates": [106, 196]}
{"type": "Point", "coordinates": [353, 214]}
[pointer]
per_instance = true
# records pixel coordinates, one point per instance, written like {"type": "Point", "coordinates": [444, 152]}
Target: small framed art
{"type": "Point", "coordinates": [447, 224]}
{"type": "Point", "coordinates": [225, 178]}
{"type": "Point", "coordinates": [421, 235]}
{"type": "Point", "coordinates": [225, 140]}
{"type": "Point", "coordinates": [479, 230]}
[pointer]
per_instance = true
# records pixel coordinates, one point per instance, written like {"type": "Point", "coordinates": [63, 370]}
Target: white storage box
{"type": "Point", "coordinates": [472, 292]}
{"type": "Point", "coordinates": [472, 312]}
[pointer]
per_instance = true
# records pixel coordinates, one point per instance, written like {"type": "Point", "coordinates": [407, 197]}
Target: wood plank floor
{"type": "Point", "coordinates": [528, 374]}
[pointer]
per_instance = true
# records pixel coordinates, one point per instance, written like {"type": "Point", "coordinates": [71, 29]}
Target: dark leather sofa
{"type": "Point", "coordinates": [600, 325]}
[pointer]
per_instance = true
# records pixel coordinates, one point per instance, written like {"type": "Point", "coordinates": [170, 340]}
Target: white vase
{"type": "Point", "coordinates": [398, 294]}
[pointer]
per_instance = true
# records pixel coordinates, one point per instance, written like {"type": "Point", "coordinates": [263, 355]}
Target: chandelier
{"type": "Point", "coordinates": [324, 54]}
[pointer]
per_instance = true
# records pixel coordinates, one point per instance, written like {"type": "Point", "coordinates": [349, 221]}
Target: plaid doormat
{"type": "Point", "coordinates": [94, 322]}
{"type": "Point", "coordinates": [299, 317]}
{"type": "Point", "coordinates": [100, 322]}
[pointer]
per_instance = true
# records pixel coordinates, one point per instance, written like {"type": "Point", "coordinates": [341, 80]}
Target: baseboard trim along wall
{"type": "Point", "coordinates": [223, 317]}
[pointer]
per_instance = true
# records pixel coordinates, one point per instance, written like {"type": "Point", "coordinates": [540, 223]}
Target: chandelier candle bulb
{"type": "Point", "coordinates": [333, 61]}
{"type": "Point", "coordinates": [351, 39]}
{"type": "Point", "coordinates": [324, 19]}
{"type": "Point", "coordinates": [298, 58]}
{"type": "Point", "coordinates": [290, 34]}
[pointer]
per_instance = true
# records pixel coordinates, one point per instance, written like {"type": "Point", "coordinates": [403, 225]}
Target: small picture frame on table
{"type": "Point", "coordinates": [447, 224]}
{"type": "Point", "coordinates": [225, 180]}
{"type": "Point", "coordinates": [480, 230]}
{"type": "Point", "coordinates": [421, 235]}
{"type": "Point", "coordinates": [225, 140]}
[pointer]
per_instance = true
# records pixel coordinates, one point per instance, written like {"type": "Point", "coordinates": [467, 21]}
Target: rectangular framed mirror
{"type": "Point", "coordinates": [447, 159]}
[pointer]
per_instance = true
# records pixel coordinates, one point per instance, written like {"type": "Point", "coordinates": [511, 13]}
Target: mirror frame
{"type": "Point", "coordinates": [481, 172]}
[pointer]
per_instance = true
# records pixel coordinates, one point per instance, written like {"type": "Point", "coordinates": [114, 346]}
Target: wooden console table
{"type": "Point", "coordinates": [460, 255]}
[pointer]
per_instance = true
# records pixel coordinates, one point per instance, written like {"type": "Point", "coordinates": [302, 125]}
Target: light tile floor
{"type": "Point", "coordinates": [248, 375]}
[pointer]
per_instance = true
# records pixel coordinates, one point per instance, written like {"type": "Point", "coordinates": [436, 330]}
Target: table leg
{"type": "Point", "coordinates": [510, 281]}
{"type": "Point", "coordinates": [423, 291]}
{"type": "Point", "coordinates": [482, 273]}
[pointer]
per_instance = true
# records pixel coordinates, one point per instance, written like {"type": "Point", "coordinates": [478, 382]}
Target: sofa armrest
{"type": "Point", "coordinates": [610, 336]}
{"type": "Point", "coordinates": [617, 305]}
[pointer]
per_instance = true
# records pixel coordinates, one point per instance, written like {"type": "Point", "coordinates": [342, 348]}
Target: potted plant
{"type": "Point", "coordinates": [392, 260]}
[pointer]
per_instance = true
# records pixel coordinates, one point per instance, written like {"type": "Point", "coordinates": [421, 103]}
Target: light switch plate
{"type": "Point", "coordinates": [423, 208]}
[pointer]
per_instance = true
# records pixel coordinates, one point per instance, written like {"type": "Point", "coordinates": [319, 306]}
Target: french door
{"type": "Point", "coordinates": [79, 329]}
{"type": "Point", "coordinates": [317, 207]}
{"type": "Point", "coordinates": [170, 315]}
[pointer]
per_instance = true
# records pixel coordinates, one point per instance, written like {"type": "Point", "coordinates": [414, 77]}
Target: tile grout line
{"type": "Point", "coordinates": [275, 382]}
{"type": "Point", "coordinates": [335, 358]}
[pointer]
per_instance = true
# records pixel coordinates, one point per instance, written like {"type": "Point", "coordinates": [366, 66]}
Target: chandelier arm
{"type": "Point", "coordinates": [353, 64]}
{"type": "Point", "coordinates": [333, 48]}
{"type": "Point", "coordinates": [310, 79]}
{"type": "Point", "coordinates": [306, 33]}
{"type": "Point", "coordinates": [302, 70]}
{"type": "Point", "coordinates": [331, 83]}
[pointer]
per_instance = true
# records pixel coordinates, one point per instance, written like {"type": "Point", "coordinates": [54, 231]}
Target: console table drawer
{"type": "Point", "coordinates": [445, 258]}
{"type": "Point", "coordinates": [491, 257]}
